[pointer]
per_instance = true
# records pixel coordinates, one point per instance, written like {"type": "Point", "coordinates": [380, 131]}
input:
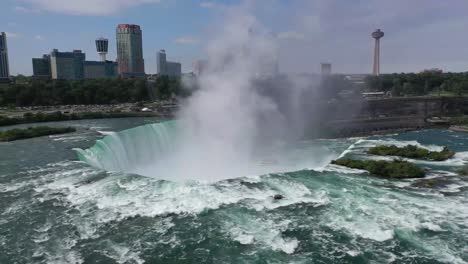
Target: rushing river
{"type": "Point", "coordinates": [55, 208]}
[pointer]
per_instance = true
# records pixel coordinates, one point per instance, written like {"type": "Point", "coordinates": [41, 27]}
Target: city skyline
{"type": "Point", "coordinates": [335, 31]}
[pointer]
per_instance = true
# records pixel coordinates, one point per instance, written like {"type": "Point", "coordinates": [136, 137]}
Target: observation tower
{"type": "Point", "coordinates": [377, 35]}
{"type": "Point", "coordinates": [102, 47]}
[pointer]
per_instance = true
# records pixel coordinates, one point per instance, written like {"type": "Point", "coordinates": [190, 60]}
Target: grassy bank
{"type": "Point", "coordinates": [59, 116]}
{"type": "Point", "coordinates": [396, 169]}
{"type": "Point", "coordinates": [31, 132]}
{"type": "Point", "coordinates": [412, 152]}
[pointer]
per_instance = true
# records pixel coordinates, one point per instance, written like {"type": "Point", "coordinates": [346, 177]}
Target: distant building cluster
{"type": "Point", "coordinates": [166, 67]}
{"type": "Point", "coordinates": [72, 65]}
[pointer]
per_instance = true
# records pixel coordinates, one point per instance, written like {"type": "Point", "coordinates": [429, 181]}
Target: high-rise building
{"type": "Point", "coordinates": [130, 51]}
{"type": "Point", "coordinates": [161, 62]}
{"type": "Point", "coordinates": [174, 69]}
{"type": "Point", "coordinates": [100, 69]}
{"type": "Point", "coordinates": [67, 65]}
{"type": "Point", "coordinates": [325, 69]}
{"type": "Point", "coordinates": [4, 66]}
{"type": "Point", "coordinates": [377, 35]}
{"type": "Point", "coordinates": [41, 67]}
{"type": "Point", "coordinates": [102, 47]}
{"type": "Point", "coordinates": [165, 67]}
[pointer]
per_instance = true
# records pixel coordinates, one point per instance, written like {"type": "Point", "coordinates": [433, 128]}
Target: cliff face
{"type": "Point", "coordinates": [363, 117]}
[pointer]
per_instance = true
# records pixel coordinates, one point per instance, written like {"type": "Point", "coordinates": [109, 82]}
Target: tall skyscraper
{"type": "Point", "coordinates": [4, 67]}
{"type": "Point", "coordinates": [161, 62]}
{"type": "Point", "coordinates": [130, 51]}
{"type": "Point", "coordinates": [67, 65]}
{"type": "Point", "coordinates": [102, 47]}
{"type": "Point", "coordinates": [165, 67]}
{"type": "Point", "coordinates": [377, 35]}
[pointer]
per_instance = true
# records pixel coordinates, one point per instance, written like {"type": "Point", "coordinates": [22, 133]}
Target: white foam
{"type": "Point", "coordinates": [262, 232]}
{"type": "Point", "coordinates": [353, 253]}
{"type": "Point", "coordinates": [11, 187]}
{"type": "Point", "coordinates": [106, 133]}
{"type": "Point", "coordinates": [68, 138]}
{"type": "Point", "coordinates": [367, 143]}
{"type": "Point", "coordinates": [122, 254]}
{"type": "Point", "coordinates": [342, 169]}
{"type": "Point", "coordinates": [432, 227]}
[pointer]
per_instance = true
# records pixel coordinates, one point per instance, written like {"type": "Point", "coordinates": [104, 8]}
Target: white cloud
{"type": "Point", "coordinates": [23, 9]}
{"type": "Point", "coordinates": [87, 7]}
{"type": "Point", "coordinates": [12, 34]}
{"type": "Point", "coordinates": [39, 37]}
{"type": "Point", "coordinates": [187, 40]}
{"type": "Point", "coordinates": [291, 35]}
{"type": "Point", "coordinates": [207, 4]}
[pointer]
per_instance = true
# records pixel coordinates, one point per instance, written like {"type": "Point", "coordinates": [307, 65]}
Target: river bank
{"type": "Point", "coordinates": [39, 114]}
{"type": "Point", "coordinates": [32, 132]}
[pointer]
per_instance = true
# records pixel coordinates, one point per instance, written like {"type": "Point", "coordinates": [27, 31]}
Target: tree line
{"type": "Point", "coordinates": [417, 84]}
{"type": "Point", "coordinates": [30, 92]}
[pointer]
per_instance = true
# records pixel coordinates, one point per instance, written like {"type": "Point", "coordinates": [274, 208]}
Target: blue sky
{"type": "Point", "coordinates": [420, 34]}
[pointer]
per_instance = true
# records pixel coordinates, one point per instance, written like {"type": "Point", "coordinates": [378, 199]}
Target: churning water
{"type": "Point", "coordinates": [119, 206]}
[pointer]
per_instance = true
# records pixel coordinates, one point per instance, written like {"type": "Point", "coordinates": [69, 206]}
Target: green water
{"type": "Point", "coordinates": [54, 209]}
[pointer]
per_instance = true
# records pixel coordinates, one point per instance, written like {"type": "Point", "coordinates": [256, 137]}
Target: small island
{"type": "Point", "coordinates": [31, 132]}
{"type": "Point", "coordinates": [396, 169]}
{"type": "Point", "coordinates": [412, 152]}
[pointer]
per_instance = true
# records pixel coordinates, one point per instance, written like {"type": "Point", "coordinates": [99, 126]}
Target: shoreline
{"type": "Point", "coordinates": [59, 114]}
{"type": "Point", "coordinates": [33, 132]}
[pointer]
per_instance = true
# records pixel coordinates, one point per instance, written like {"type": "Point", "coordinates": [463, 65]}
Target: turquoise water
{"type": "Point", "coordinates": [55, 209]}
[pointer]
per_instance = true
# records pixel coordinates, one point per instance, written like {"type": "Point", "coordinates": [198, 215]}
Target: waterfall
{"type": "Point", "coordinates": [132, 149]}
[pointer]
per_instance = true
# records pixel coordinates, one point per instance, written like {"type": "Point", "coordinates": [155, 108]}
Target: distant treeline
{"type": "Point", "coordinates": [418, 84]}
{"type": "Point", "coordinates": [59, 116]}
{"type": "Point", "coordinates": [29, 92]}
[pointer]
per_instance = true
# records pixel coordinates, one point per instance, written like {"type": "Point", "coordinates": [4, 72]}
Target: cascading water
{"type": "Point", "coordinates": [132, 149]}
{"type": "Point", "coordinates": [158, 150]}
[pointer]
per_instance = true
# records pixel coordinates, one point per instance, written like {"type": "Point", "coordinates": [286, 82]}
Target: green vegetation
{"type": "Point", "coordinates": [412, 152]}
{"type": "Point", "coordinates": [31, 92]}
{"type": "Point", "coordinates": [59, 116]}
{"type": "Point", "coordinates": [397, 169]}
{"type": "Point", "coordinates": [30, 132]}
{"type": "Point", "coordinates": [459, 120]}
{"type": "Point", "coordinates": [434, 83]}
{"type": "Point", "coordinates": [463, 171]}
